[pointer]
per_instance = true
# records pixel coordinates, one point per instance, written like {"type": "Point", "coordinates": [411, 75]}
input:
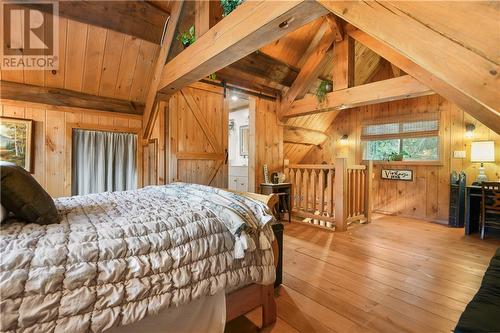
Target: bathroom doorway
{"type": "Point", "coordinates": [238, 142]}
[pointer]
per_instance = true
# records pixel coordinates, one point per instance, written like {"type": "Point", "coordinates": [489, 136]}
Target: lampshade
{"type": "Point", "coordinates": [482, 151]}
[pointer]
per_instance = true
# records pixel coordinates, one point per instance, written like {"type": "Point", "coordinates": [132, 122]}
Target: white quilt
{"type": "Point", "coordinates": [117, 257]}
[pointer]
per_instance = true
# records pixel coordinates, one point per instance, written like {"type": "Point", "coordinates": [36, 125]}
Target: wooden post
{"type": "Point", "coordinates": [343, 64]}
{"type": "Point", "coordinates": [340, 194]}
{"type": "Point", "coordinates": [269, 311]}
{"type": "Point", "coordinates": [368, 191]}
{"type": "Point", "coordinates": [201, 17]}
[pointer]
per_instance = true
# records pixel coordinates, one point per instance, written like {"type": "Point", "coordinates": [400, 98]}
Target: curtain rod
{"type": "Point", "coordinates": [241, 90]}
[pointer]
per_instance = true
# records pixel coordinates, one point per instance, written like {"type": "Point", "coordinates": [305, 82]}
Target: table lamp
{"type": "Point", "coordinates": [481, 152]}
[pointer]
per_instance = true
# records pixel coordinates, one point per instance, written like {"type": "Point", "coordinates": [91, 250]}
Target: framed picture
{"type": "Point", "coordinates": [394, 174]}
{"type": "Point", "coordinates": [244, 140]}
{"type": "Point", "coordinates": [16, 142]}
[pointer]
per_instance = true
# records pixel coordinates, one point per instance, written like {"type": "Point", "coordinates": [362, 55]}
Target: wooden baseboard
{"type": "Point", "coordinates": [444, 222]}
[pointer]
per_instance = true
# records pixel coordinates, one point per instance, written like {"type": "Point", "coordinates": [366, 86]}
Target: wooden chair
{"type": "Point", "coordinates": [490, 206]}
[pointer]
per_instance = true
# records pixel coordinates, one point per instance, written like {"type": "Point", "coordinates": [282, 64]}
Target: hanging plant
{"type": "Point", "coordinates": [322, 90]}
{"type": "Point", "coordinates": [229, 5]}
{"type": "Point", "coordinates": [188, 37]}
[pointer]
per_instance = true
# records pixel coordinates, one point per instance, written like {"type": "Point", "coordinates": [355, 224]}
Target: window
{"type": "Point", "coordinates": [103, 161]}
{"type": "Point", "coordinates": [407, 139]}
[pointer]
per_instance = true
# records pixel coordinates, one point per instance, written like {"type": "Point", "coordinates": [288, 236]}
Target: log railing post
{"type": "Point", "coordinates": [340, 194]}
{"type": "Point", "coordinates": [368, 191]}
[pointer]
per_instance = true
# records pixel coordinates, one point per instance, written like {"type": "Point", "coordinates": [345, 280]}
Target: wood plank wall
{"type": "Point", "coordinates": [52, 163]}
{"type": "Point", "coordinates": [267, 136]}
{"type": "Point", "coordinates": [96, 61]}
{"type": "Point", "coordinates": [265, 139]}
{"type": "Point", "coordinates": [427, 196]}
{"type": "Point", "coordinates": [159, 132]}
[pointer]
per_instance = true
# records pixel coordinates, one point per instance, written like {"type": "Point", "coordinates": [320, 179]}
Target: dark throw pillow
{"type": "Point", "coordinates": [22, 195]}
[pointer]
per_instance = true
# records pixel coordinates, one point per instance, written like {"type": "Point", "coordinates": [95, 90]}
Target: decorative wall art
{"type": "Point", "coordinates": [16, 142]}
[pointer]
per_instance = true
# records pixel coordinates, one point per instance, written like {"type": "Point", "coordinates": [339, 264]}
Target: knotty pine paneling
{"type": "Point", "coordinates": [52, 161]}
{"type": "Point", "coordinates": [265, 137]}
{"type": "Point", "coordinates": [427, 196]}
{"type": "Point", "coordinates": [265, 140]}
{"type": "Point", "coordinates": [96, 61]}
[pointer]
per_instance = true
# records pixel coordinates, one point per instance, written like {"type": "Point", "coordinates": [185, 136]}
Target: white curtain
{"type": "Point", "coordinates": [103, 161]}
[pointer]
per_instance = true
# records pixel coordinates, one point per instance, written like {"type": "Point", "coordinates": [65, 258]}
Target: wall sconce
{"type": "Point", "coordinates": [469, 130]}
{"type": "Point", "coordinates": [343, 139]}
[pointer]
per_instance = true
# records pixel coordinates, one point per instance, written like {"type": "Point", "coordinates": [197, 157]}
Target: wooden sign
{"type": "Point", "coordinates": [394, 174]}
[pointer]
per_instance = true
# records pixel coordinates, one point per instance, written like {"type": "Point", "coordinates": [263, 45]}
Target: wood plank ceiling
{"type": "Point", "coordinates": [98, 61]}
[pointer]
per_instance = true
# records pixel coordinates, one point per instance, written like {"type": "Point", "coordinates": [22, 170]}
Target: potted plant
{"type": "Point", "coordinates": [229, 5]}
{"type": "Point", "coordinates": [187, 37]}
{"type": "Point", "coordinates": [394, 156]}
{"type": "Point", "coordinates": [324, 88]}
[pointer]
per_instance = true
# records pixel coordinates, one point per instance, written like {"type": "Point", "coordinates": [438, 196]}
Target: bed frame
{"type": "Point", "coordinates": [253, 296]}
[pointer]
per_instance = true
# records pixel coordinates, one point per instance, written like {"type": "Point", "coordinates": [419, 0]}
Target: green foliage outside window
{"type": "Point", "coordinates": [380, 150]}
{"type": "Point", "coordinates": [422, 149]}
{"type": "Point", "coordinates": [406, 149]}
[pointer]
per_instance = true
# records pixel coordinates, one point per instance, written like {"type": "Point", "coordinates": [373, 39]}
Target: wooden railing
{"type": "Point", "coordinates": [332, 195]}
{"type": "Point", "coordinates": [312, 192]}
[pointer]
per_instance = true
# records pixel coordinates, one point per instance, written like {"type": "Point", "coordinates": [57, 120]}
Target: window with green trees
{"type": "Point", "coordinates": [403, 140]}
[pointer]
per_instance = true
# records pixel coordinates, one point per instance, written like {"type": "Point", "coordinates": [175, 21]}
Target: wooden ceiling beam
{"type": "Point", "coordinates": [468, 71]}
{"type": "Point", "coordinates": [309, 72]}
{"type": "Point", "coordinates": [136, 18]}
{"type": "Point", "coordinates": [490, 118]}
{"type": "Point", "coordinates": [150, 110]}
{"type": "Point", "coordinates": [264, 70]}
{"type": "Point", "coordinates": [63, 99]}
{"type": "Point", "coordinates": [236, 36]}
{"type": "Point", "coordinates": [372, 93]}
{"type": "Point", "coordinates": [261, 65]}
{"type": "Point", "coordinates": [314, 43]}
{"type": "Point", "coordinates": [247, 81]}
{"type": "Point", "coordinates": [301, 135]}
{"type": "Point", "coordinates": [336, 26]}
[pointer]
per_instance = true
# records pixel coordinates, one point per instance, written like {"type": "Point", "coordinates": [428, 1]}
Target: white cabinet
{"type": "Point", "coordinates": [238, 178]}
{"type": "Point", "coordinates": [238, 183]}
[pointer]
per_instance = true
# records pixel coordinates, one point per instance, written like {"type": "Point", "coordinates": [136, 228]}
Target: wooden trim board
{"type": "Point", "coordinates": [63, 99]}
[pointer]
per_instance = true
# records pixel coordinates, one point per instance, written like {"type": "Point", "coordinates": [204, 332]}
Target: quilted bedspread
{"type": "Point", "coordinates": [117, 257]}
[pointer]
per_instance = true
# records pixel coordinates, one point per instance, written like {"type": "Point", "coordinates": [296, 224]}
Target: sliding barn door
{"type": "Point", "coordinates": [198, 120]}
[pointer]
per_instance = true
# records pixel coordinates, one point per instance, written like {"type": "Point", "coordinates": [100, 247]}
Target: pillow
{"type": "Point", "coordinates": [22, 195]}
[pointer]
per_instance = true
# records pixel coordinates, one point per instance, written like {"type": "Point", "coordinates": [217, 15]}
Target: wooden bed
{"type": "Point", "coordinates": [250, 297]}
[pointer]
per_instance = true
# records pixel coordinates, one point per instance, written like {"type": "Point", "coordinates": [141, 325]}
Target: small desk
{"type": "Point", "coordinates": [283, 190]}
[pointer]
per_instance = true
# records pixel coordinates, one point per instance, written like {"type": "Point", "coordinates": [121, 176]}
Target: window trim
{"type": "Point", "coordinates": [427, 116]}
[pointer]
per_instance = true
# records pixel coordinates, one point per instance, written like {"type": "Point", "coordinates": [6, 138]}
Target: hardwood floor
{"type": "Point", "coordinates": [393, 275]}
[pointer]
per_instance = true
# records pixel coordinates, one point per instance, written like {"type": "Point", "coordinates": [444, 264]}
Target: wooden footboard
{"type": "Point", "coordinates": [250, 297]}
